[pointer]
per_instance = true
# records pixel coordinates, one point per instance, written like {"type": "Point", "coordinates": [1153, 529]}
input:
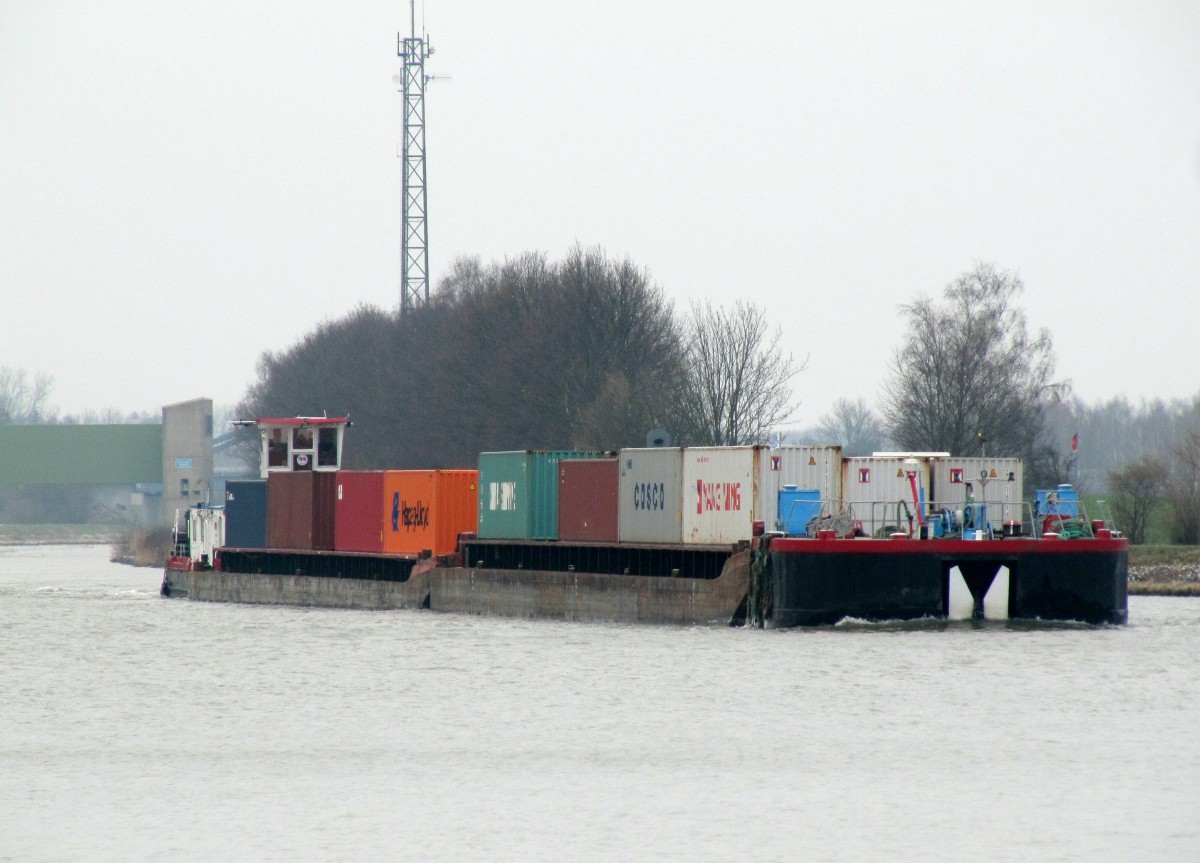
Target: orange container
{"type": "Point", "coordinates": [426, 510]}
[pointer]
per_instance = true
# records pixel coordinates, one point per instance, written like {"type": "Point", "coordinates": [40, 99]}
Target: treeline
{"type": "Point", "coordinates": [586, 352]}
{"type": "Point", "coordinates": [25, 400]}
{"type": "Point", "coordinates": [1145, 459]}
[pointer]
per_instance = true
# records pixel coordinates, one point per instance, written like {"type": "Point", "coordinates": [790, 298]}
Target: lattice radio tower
{"type": "Point", "coordinates": [414, 242]}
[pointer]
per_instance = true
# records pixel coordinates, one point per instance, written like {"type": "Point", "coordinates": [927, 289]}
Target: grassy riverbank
{"type": "Point", "coordinates": [1164, 570]}
{"type": "Point", "coordinates": [137, 546]}
{"type": "Point", "coordinates": [62, 534]}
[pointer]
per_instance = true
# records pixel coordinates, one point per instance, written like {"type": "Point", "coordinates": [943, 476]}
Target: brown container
{"type": "Point", "coordinates": [426, 510]}
{"type": "Point", "coordinates": [358, 511]}
{"type": "Point", "coordinates": [587, 500]}
{"type": "Point", "coordinates": [300, 509]}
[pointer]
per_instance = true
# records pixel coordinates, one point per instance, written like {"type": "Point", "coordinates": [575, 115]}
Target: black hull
{"type": "Point", "coordinates": [320, 564]}
{"type": "Point", "coordinates": [820, 582]}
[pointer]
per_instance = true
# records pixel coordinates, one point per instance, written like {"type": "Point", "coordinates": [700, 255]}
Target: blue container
{"type": "Point", "coordinates": [797, 507]}
{"type": "Point", "coordinates": [246, 513]}
{"type": "Point", "coordinates": [1063, 501]}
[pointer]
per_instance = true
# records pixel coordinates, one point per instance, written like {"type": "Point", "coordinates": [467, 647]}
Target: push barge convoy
{"type": "Point", "coordinates": [784, 537]}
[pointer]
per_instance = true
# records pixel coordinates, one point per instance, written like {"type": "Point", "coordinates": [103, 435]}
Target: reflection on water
{"type": "Point", "coordinates": [141, 728]}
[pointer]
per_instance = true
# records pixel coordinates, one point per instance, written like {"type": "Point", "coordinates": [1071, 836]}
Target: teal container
{"type": "Point", "coordinates": [518, 492]}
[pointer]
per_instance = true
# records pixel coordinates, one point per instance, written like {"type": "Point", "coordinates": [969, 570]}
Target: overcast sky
{"type": "Point", "coordinates": [186, 185]}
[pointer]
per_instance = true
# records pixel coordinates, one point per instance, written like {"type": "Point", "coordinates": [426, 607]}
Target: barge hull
{"type": "Point", "coordinates": [308, 590]}
{"type": "Point", "coordinates": [289, 578]}
{"type": "Point", "coordinates": [313, 578]}
{"type": "Point", "coordinates": [591, 596]}
{"type": "Point", "coordinates": [820, 582]}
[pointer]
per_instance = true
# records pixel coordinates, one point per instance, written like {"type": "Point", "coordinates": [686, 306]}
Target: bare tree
{"type": "Point", "coordinates": [22, 400]}
{"type": "Point", "coordinates": [969, 370]}
{"type": "Point", "coordinates": [853, 425]}
{"type": "Point", "coordinates": [1136, 489]}
{"type": "Point", "coordinates": [738, 383]}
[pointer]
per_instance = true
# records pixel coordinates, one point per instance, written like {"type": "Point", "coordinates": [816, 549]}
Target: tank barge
{"type": "Point", "coordinates": [796, 536]}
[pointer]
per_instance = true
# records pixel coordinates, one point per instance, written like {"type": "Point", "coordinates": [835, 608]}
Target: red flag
{"type": "Point", "coordinates": [1075, 442]}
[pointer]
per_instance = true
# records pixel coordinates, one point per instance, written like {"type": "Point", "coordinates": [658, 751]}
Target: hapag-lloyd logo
{"type": "Point", "coordinates": [412, 516]}
{"type": "Point", "coordinates": [718, 496]}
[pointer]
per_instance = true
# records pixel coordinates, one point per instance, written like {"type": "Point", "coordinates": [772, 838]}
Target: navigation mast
{"type": "Point", "coordinates": [414, 232]}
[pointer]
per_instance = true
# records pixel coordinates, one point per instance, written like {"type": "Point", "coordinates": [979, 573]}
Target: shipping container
{"type": "Point", "coordinates": [805, 467]}
{"type": "Point", "coordinates": [426, 510]}
{"type": "Point", "coordinates": [301, 509]}
{"type": "Point", "coordinates": [358, 511]}
{"type": "Point", "coordinates": [246, 513]}
{"type": "Point", "coordinates": [996, 483]}
{"type": "Point", "coordinates": [649, 504]}
{"type": "Point", "coordinates": [722, 494]}
{"type": "Point", "coordinates": [879, 490]}
{"type": "Point", "coordinates": [518, 492]}
{"type": "Point", "coordinates": [587, 500]}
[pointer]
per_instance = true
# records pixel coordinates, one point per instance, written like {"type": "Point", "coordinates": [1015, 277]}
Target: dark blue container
{"type": "Point", "coordinates": [797, 507]}
{"type": "Point", "coordinates": [246, 513]}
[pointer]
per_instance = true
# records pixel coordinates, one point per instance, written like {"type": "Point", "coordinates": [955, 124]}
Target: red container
{"type": "Point", "coordinates": [358, 511]}
{"type": "Point", "coordinates": [300, 509]}
{"type": "Point", "coordinates": [587, 500]}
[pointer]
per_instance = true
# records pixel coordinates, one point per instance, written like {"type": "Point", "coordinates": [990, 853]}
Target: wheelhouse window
{"type": "Point", "coordinates": [302, 448]}
{"type": "Point", "coordinates": [277, 448]}
{"type": "Point", "coordinates": [327, 447]}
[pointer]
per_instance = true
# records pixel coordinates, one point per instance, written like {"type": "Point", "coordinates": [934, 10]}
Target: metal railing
{"type": "Point", "coordinates": [952, 520]}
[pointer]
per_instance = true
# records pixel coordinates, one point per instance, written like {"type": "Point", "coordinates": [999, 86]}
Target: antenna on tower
{"type": "Point", "coordinates": [414, 231]}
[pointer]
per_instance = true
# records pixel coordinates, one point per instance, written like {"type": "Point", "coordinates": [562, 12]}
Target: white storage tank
{"type": "Point", "coordinates": [649, 501]}
{"type": "Point", "coordinates": [722, 493]}
{"type": "Point", "coordinates": [806, 466]}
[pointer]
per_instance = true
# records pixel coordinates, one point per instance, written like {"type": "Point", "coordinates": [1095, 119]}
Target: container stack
{"type": "Point", "coordinates": [587, 500]}
{"type": "Point", "coordinates": [518, 492]}
{"type": "Point", "coordinates": [246, 513]}
{"type": "Point", "coordinates": [650, 507]}
{"type": "Point", "coordinates": [426, 510]}
{"type": "Point", "coordinates": [359, 511]}
{"type": "Point", "coordinates": [300, 509]}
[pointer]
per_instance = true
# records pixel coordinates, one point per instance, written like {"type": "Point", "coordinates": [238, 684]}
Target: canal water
{"type": "Point", "coordinates": [138, 728]}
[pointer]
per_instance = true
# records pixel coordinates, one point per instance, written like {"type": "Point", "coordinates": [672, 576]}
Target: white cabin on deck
{"type": "Point", "coordinates": [299, 443]}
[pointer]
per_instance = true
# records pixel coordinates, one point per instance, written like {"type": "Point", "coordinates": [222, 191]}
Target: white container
{"type": "Point", "coordinates": [649, 507]}
{"type": "Point", "coordinates": [878, 489]}
{"type": "Point", "coordinates": [722, 493]}
{"type": "Point", "coordinates": [808, 467]}
{"type": "Point", "coordinates": [996, 482]}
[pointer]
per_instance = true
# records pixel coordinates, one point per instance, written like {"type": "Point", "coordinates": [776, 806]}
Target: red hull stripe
{"type": "Point", "coordinates": [993, 547]}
